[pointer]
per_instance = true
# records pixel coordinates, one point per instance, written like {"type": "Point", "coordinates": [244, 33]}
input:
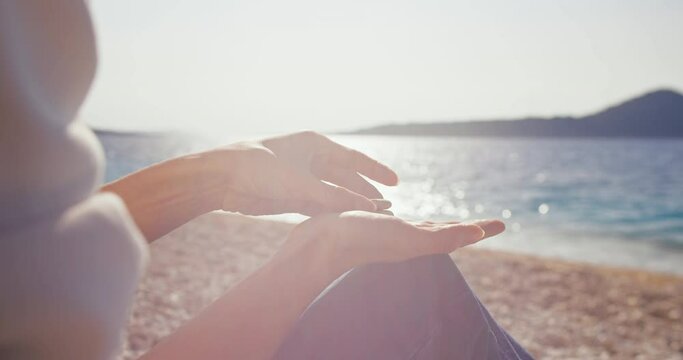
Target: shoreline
{"type": "Point", "coordinates": [555, 308]}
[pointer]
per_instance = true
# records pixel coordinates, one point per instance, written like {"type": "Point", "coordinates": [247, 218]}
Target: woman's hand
{"type": "Point", "coordinates": [273, 176]}
{"type": "Point", "coordinates": [252, 319]}
{"type": "Point", "coordinates": [356, 238]}
{"type": "Point", "coordinates": [303, 173]}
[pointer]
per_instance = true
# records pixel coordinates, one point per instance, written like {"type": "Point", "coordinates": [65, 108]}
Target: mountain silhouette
{"type": "Point", "coordinates": [655, 114]}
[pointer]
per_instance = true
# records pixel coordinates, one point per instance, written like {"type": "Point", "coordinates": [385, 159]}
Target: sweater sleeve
{"type": "Point", "coordinates": [67, 283]}
{"type": "Point", "coordinates": [69, 260]}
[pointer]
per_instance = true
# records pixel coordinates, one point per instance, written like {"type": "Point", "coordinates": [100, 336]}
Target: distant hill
{"type": "Point", "coordinates": [655, 114]}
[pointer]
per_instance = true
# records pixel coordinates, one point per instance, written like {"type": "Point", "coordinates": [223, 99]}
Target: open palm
{"type": "Point", "coordinates": [355, 238]}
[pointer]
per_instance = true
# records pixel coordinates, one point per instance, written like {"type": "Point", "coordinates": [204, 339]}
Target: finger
{"type": "Point", "coordinates": [256, 206]}
{"type": "Point", "coordinates": [340, 199]}
{"type": "Point", "coordinates": [386, 212]}
{"type": "Point", "coordinates": [381, 204]}
{"type": "Point", "coordinates": [369, 167]}
{"type": "Point", "coordinates": [432, 224]}
{"type": "Point", "coordinates": [490, 227]}
{"type": "Point", "coordinates": [330, 197]}
{"type": "Point", "coordinates": [359, 162]}
{"type": "Point", "coordinates": [303, 186]}
{"type": "Point", "coordinates": [447, 238]}
{"type": "Point", "coordinates": [409, 240]}
{"type": "Point", "coordinates": [348, 179]}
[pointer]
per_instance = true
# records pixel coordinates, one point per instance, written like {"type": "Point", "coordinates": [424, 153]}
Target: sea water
{"type": "Point", "coordinates": [606, 201]}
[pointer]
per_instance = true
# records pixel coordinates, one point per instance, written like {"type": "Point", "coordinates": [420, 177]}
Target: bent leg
{"type": "Point", "coordinates": [417, 309]}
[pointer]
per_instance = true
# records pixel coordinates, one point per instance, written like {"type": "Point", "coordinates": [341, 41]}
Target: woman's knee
{"type": "Point", "coordinates": [424, 274]}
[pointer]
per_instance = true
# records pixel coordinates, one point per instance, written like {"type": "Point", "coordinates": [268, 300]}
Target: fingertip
{"type": "Point", "coordinates": [463, 233]}
{"type": "Point", "coordinates": [382, 204]}
{"type": "Point", "coordinates": [382, 174]}
{"type": "Point", "coordinates": [392, 177]}
{"type": "Point", "coordinates": [360, 202]}
{"type": "Point", "coordinates": [491, 227]}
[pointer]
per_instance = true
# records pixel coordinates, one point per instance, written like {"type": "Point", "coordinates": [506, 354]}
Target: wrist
{"type": "Point", "coordinates": [223, 173]}
{"type": "Point", "coordinates": [203, 179]}
{"type": "Point", "coordinates": [166, 195]}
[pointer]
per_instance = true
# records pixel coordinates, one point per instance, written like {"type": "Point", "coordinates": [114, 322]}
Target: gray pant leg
{"type": "Point", "coordinates": [417, 309]}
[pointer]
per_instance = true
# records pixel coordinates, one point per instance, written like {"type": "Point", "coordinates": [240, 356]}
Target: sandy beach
{"type": "Point", "coordinates": [556, 309]}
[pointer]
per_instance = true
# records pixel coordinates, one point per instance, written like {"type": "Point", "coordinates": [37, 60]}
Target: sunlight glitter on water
{"type": "Point", "coordinates": [576, 199]}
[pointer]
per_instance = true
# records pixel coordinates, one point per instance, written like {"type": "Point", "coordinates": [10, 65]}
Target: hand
{"type": "Point", "coordinates": [273, 176]}
{"type": "Point", "coordinates": [285, 175]}
{"type": "Point", "coordinates": [355, 238]}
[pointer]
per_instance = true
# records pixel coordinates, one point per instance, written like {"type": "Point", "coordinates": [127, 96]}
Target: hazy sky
{"type": "Point", "coordinates": [271, 65]}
